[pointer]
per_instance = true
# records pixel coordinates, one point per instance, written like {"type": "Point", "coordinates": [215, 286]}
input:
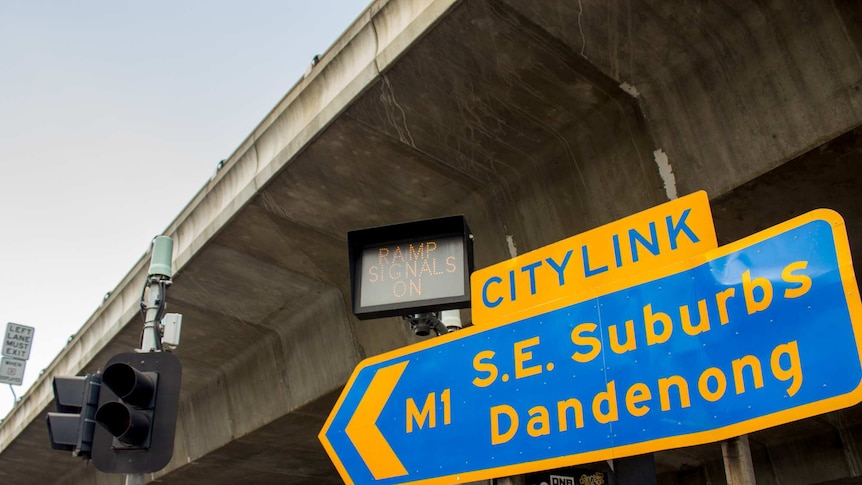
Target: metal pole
{"type": "Point", "coordinates": [154, 303]}
{"type": "Point", "coordinates": [635, 470]}
{"type": "Point", "coordinates": [135, 479]}
{"type": "Point", "coordinates": [514, 480]}
{"type": "Point", "coordinates": [738, 467]}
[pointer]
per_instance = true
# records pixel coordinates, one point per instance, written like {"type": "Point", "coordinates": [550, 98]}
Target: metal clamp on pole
{"type": "Point", "coordinates": [154, 300]}
{"type": "Point", "coordinates": [441, 322]}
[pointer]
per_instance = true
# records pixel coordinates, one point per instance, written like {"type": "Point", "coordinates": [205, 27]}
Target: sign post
{"type": "Point", "coordinates": [723, 343]}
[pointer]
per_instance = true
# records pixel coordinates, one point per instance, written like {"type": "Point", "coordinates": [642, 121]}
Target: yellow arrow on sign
{"type": "Point", "coordinates": [362, 428]}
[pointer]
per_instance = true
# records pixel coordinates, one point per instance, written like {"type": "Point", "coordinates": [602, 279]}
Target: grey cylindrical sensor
{"type": "Point", "coordinates": [160, 264]}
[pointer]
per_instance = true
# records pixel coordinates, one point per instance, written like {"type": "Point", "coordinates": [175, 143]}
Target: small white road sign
{"type": "Point", "coordinates": [12, 371]}
{"type": "Point", "coordinates": [18, 341]}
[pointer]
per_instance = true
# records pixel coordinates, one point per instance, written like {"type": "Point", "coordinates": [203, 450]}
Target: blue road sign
{"type": "Point", "coordinates": [751, 335]}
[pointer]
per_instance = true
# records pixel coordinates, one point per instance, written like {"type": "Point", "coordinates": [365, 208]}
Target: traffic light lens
{"type": "Point", "coordinates": [126, 424]}
{"type": "Point", "coordinates": [130, 384]}
{"type": "Point", "coordinates": [114, 416]}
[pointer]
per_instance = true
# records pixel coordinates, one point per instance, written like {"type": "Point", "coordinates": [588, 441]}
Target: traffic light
{"type": "Point", "coordinates": [137, 413]}
{"type": "Point", "coordinates": [71, 427]}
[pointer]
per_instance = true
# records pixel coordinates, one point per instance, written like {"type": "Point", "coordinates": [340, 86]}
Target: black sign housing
{"type": "Point", "coordinates": [409, 268]}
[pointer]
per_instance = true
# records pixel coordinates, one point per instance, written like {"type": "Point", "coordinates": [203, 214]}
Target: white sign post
{"type": "Point", "coordinates": [12, 371]}
{"type": "Point", "coordinates": [18, 341]}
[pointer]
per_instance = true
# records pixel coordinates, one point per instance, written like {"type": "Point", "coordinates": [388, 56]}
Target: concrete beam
{"type": "Point", "coordinates": [537, 120]}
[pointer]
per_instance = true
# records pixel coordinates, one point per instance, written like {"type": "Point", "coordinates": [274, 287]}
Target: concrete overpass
{"type": "Point", "coordinates": [537, 120]}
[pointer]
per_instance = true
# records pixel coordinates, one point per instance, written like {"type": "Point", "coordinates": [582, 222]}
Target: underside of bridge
{"type": "Point", "coordinates": [537, 121]}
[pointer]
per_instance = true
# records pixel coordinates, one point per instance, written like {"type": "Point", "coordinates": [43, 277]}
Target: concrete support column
{"type": "Point", "coordinates": [635, 470]}
{"type": "Point", "coordinates": [848, 443]}
{"type": "Point", "coordinates": [515, 480]}
{"type": "Point", "coordinates": [738, 467]}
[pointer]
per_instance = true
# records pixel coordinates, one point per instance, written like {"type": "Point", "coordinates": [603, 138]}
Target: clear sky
{"type": "Point", "coordinates": [113, 114]}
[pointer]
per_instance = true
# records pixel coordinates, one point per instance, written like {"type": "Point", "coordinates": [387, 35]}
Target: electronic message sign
{"type": "Point", "coordinates": [410, 268]}
{"type": "Point", "coordinates": [734, 340]}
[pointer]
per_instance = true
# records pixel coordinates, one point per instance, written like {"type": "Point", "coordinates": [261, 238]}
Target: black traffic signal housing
{"type": "Point", "coordinates": [137, 413]}
{"type": "Point", "coordinates": [71, 428]}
